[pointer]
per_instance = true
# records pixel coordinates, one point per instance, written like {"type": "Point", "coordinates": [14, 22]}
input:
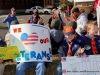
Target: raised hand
{"type": "Point", "coordinates": [9, 15]}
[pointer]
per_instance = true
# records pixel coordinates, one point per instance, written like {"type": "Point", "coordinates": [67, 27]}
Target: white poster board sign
{"type": "Point", "coordinates": [87, 65]}
{"type": "Point", "coordinates": [83, 0]}
{"type": "Point", "coordinates": [33, 42]}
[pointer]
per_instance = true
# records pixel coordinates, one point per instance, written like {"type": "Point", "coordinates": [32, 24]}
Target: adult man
{"type": "Point", "coordinates": [81, 20]}
{"type": "Point", "coordinates": [11, 17]}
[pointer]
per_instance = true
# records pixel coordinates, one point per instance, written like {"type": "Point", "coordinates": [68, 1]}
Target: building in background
{"type": "Point", "coordinates": [21, 5]}
{"type": "Point", "coordinates": [87, 5]}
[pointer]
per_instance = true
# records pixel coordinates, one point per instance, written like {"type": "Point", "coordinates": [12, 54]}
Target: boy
{"type": "Point", "coordinates": [56, 35]}
{"type": "Point", "coordinates": [92, 39]}
{"type": "Point", "coordinates": [72, 42]}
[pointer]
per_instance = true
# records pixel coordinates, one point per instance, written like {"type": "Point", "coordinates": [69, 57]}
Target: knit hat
{"type": "Point", "coordinates": [69, 30]}
{"type": "Point", "coordinates": [14, 22]}
{"type": "Point", "coordinates": [55, 23]}
{"type": "Point", "coordinates": [13, 9]}
{"type": "Point", "coordinates": [73, 24]}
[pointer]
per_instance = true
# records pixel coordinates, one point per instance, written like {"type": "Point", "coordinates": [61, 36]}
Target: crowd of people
{"type": "Point", "coordinates": [76, 35]}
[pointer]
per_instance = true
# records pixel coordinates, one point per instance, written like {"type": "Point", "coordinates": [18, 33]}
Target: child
{"type": "Point", "coordinates": [72, 42]}
{"type": "Point", "coordinates": [56, 35]}
{"type": "Point", "coordinates": [92, 39]}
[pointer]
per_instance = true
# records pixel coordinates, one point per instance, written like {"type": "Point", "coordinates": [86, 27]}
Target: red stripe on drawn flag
{"type": "Point", "coordinates": [31, 39]}
{"type": "Point", "coordinates": [64, 71]}
{"type": "Point", "coordinates": [63, 59]}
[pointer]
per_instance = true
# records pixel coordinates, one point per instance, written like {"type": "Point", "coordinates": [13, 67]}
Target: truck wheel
{"type": "Point", "coordinates": [46, 12]}
{"type": "Point", "coordinates": [31, 12]}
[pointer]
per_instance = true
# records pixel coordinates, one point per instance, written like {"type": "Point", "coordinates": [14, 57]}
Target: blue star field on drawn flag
{"type": "Point", "coordinates": [63, 59]}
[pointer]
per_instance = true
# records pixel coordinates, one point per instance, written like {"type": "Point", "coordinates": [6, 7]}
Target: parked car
{"type": "Point", "coordinates": [40, 9]}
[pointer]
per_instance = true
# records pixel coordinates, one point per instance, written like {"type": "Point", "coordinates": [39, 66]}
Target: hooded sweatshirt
{"type": "Point", "coordinates": [57, 37]}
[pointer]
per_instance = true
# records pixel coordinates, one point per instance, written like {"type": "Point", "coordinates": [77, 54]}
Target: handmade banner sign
{"type": "Point", "coordinates": [9, 52]}
{"type": "Point", "coordinates": [33, 42]}
{"type": "Point", "coordinates": [85, 65]}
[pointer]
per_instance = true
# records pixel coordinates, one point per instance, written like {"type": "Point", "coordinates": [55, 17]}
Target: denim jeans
{"type": "Point", "coordinates": [22, 66]}
{"type": "Point", "coordinates": [59, 69]}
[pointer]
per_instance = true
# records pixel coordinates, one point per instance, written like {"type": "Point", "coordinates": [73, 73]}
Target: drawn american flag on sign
{"type": "Point", "coordinates": [30, 39]}
{"type": "Point", "coordinates": [63, 59]}
{"type": "Point", "coordinates": [64, 71]}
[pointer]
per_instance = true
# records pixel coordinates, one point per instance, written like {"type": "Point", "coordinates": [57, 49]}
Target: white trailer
{"type": "Point", "coordinates": [87, 5]}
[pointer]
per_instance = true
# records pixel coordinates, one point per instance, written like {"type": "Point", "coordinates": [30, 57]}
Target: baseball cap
{"type": "Point", "coordinates": [73, 24]}
{"type": "Point", "coordinates": [55, 23]}
{"type": "Point", "coordinates": [69, 30]}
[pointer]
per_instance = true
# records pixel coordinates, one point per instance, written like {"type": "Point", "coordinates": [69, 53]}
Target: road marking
{"type": "Point", "coordinates": [20, 19]}
{"type": "Point", "coordinates": [2, 16]}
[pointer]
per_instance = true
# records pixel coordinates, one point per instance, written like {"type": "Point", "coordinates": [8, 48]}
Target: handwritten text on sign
{"type": "Point", "coordinates": [10, 52]}
{"type": "Point", "coordinates": [88, 65]}
{"type": "Point", "coordinates": [33, 42]}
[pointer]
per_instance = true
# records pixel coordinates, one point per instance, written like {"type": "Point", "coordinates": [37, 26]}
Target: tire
{"type": "Point", "coordinates": [31, 12]}
{"type": "Point", "coordinates": [46, 12]}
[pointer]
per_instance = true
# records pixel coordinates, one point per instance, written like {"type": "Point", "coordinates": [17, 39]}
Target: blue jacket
{"type": "Point", "coordinates": [88, 47]}
{"type": "Point", "coordinates": [9, 20]}
{"type": "Point", "coordinates": [76, 43]}
{"type": "Point", "coordinates": [2, 43]}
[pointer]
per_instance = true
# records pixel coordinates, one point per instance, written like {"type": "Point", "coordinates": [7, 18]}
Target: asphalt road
{"type": "Point", "coordinates": [21, 19]}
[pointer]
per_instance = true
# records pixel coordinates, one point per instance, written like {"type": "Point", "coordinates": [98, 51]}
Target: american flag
{"type": "Point", "coordinates": [84, 56]}
{"type": "Point", "coordinates": [63, 59]}
{"type": "Point", "coordinates": [63, 71]}
{"type": "Point", "coordinates": [32, 39]}
{"type": "Point", "coordinates": [96, 3]}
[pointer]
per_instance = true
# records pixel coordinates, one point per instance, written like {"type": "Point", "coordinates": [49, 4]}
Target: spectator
{"type": "Point", "coordinates": [34, 18]}
{"type": "Point", "coordinates": [92, 39]}
{"type": "Point", "coordinates": [81, 20]}
{"type": "Point", "coordinates": [92, 15]}
{"type": "Point", "coordinates": [83, 11]}
{"type": "Point", "coordinates": [70, 45]}
{"type": "Point", "coordinates": [11, 17]}
{"type": "Point", "coordinates": [56, 35]}
{"type": "Point", "coordinates": [60, 15]}
{"type": "Point", "coordinates": [54, 16]}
